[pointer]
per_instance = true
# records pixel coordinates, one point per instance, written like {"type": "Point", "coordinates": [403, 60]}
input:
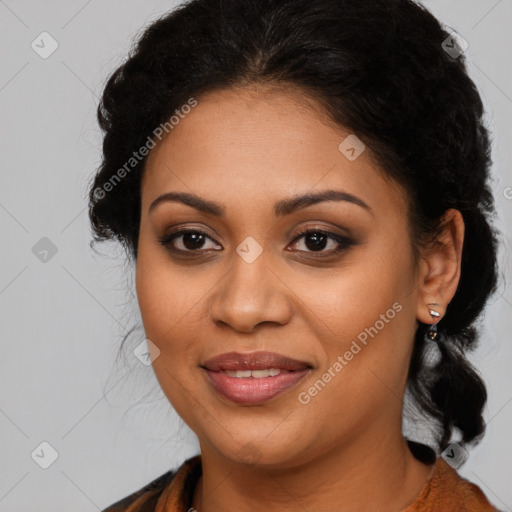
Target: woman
{"type": "Point", "coordinates": [303, 188]}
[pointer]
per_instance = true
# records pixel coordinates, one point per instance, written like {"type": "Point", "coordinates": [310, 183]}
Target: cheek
{"type": "Point", "coordinates": [364, 372]}
{"type": "Point", "coordinates": [352, 297]}
{"type": "Point", "coordinates": [168, 303]}
{"type": "Point", "coordinates": [166, 298]}
{"type": "Point", "coordinates": [365, 315]}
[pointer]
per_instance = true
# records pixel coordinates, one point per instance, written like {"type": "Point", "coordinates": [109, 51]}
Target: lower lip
{"type": "Point", "coordinates": [253, 391]}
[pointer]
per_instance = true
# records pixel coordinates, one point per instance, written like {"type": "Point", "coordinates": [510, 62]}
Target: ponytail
{"type": "Point", "coordinates": [449, 389]}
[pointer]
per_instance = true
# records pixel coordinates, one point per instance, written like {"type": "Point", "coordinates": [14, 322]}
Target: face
{"type": "Point", "coordinates": [239, 266]}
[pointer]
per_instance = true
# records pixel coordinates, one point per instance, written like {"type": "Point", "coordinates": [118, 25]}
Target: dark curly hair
{"type": "Point", "coordinates": [379, 68]}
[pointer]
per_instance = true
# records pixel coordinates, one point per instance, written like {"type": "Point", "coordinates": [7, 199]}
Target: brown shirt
{"type": "Point", "coordinates": [446, 491]}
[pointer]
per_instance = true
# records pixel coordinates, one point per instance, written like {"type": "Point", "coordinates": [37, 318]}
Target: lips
{"type": "Point", "coordinates": [254, 378]}
{"type": "Point", "coordinates": [235, 361]}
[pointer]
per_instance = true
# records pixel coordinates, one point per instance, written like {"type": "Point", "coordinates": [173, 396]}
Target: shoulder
{"type": "Point", "coordinates": [447, 490]}
{"type": "Point", "coordinates": [146, 496]}
{"type": "Point", "coordinates": [173, 486]}
{"type": "Point", "coordinates": [459, 491]}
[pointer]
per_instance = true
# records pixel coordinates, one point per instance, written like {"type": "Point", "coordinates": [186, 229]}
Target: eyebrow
{"type": "Point", "coordinates": [281, 208]}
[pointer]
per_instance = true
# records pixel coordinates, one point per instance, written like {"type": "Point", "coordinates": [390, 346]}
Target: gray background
{"type": "Point", "coordinates": [63, 318]}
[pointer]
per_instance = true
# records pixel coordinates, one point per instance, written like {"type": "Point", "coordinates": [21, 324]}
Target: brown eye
{"type": "Point", "coordinates": [186, 240]}
{"type": "Point", "coordinates": [316, 240]}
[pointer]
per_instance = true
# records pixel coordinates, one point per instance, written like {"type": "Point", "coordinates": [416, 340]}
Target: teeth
{"type": "Point", "coordinates": [257, 374]}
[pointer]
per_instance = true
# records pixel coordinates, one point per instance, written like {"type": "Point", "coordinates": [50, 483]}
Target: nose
{"type": "Point", "coordinates": [251, 294]}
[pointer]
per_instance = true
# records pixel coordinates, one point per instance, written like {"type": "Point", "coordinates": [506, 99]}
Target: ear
{"type": "Point", "coordinates": [439, 268]}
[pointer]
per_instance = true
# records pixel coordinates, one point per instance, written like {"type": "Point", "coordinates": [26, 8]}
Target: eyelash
{"type": "Point", "coordinates": [344, 242]}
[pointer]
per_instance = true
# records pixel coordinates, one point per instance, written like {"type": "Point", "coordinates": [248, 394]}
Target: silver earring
{"type": "Point", "coordinates": [432, 333]}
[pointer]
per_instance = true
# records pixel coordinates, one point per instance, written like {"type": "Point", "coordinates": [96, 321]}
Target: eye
{"type": "Point", "coordinates": [316, 240]}
{"type": "Point", "coordinates": [188, 240]}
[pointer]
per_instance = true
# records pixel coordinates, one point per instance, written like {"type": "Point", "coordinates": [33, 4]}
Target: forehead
{"type": "Point", "coordinates": [261, 142]}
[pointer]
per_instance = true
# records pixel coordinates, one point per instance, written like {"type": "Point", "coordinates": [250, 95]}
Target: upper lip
{"type": "Point", "coordinates": [253, 361]}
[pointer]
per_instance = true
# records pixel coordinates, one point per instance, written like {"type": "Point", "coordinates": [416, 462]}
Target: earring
{"type": "Point", "coordinates": [432, 333]}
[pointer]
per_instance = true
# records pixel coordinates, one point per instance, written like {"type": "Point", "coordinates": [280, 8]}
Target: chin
{"type": "Point", "coordinates": [275, 451]}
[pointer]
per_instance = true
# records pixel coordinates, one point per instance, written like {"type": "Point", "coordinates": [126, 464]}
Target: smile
{"type": "Point", "coordinates": [254, 378]}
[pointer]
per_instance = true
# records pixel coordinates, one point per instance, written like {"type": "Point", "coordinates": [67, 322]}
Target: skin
{"type": "Point", "coordinates": [344, 450]}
